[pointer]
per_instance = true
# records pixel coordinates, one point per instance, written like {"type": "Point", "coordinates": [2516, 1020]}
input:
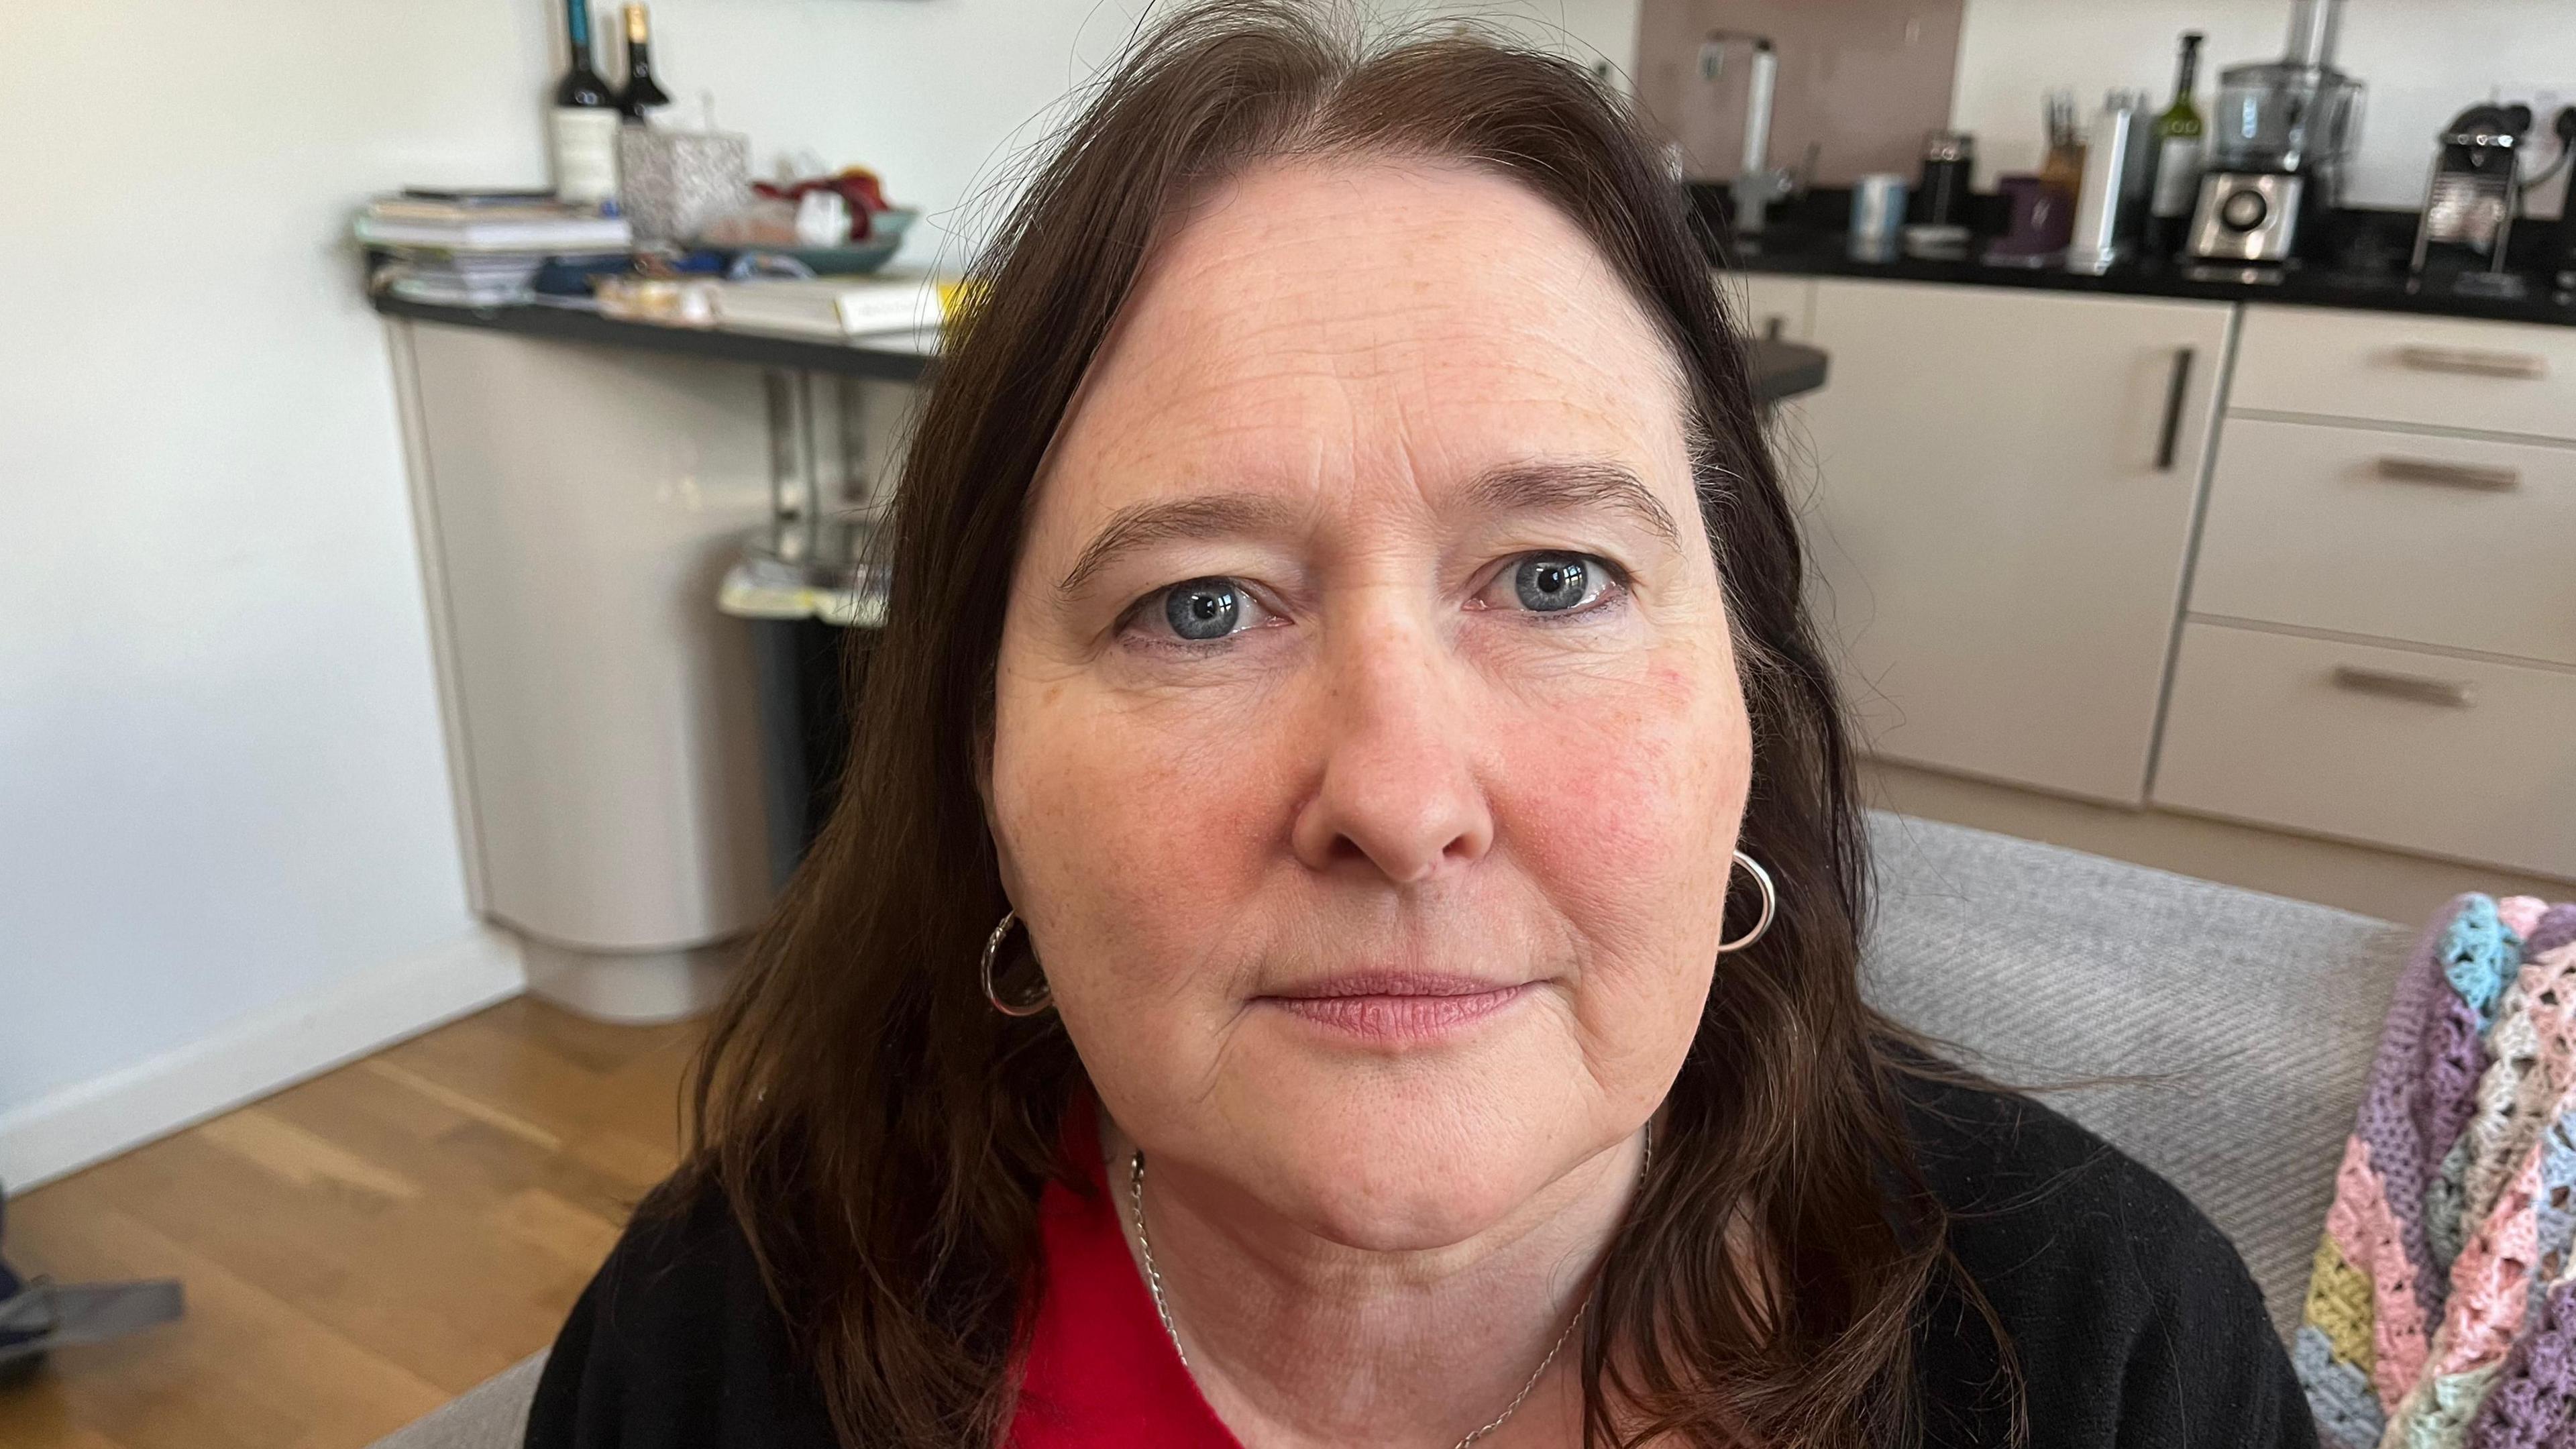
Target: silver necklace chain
{"type": "Point", "coordinates": [1163, 1306]}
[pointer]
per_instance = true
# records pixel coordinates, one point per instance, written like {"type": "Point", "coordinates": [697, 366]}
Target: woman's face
{"type": "Point", "coordinates": [1368, 749]}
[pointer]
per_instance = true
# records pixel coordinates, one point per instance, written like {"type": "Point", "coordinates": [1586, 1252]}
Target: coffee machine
{"type": "Point", "coordinates": [2474, 197]}
{"type": "Point", "coordinates": [2280, 139]}
{"type": "Point", "coordinates": [2558, 258]}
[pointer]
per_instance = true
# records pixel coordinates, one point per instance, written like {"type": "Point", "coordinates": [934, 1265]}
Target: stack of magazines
{"type": "Point", "coordinates": [481, 248]}
{"type": "Point", "coordinates": [890, 301]}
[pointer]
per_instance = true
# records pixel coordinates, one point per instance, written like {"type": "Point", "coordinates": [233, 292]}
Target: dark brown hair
{"type": "Point", "coordinates": [883, 1134]}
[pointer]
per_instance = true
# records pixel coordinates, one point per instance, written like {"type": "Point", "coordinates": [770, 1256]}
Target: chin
{"type": "Point", "coordinates": [1399, 1217]}
{"type": "Point", "coordinates": [1407, 1165]}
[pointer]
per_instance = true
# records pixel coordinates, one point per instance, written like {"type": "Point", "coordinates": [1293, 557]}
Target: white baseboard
{"type": "Point", "coordinates": [84, 1123]}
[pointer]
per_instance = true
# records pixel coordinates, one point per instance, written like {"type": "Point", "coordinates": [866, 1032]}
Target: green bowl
{"type": "Point", "coordinates": [885, 238]}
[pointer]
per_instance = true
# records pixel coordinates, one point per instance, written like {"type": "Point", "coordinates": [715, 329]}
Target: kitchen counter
{"type": "Point", "coordinates": [893, 357]}
{"type": "Point", "coordinates": [1825, 254]}
{"type": "Point", "coordinates": [1780, 369]}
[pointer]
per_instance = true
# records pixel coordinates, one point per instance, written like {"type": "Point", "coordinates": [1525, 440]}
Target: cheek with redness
{"type": "Point", "coordinates": [1141, 855]}
{"type": "Point", "coordinates": [1625, 817]}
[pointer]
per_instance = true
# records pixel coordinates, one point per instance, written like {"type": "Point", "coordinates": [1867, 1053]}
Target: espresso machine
{"type": "Point", "coordinates": [2559, 264]}
{"type": "Point", "coordinates": [2280, 139]}
{"type": "Point", "coordinates": [2474, 197]}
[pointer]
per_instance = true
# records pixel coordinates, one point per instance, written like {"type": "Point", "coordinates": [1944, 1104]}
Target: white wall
{"type": "Point", "coordinates": [939, 96]}
{"type": "Point", "coordinates": [2422, 61]}
{"type": "Point", "coordinates": [1587, 30]}
{"type": "Point", "coordinates": [221, 782]}
{"type": "Point", "coordinates": [227, 853]}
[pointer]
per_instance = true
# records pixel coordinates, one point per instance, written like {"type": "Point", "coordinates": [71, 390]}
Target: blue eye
{"type": "Point", "coordinates": [1551, 583]}
{"type": "Point", "coordinates": [1203, 609]}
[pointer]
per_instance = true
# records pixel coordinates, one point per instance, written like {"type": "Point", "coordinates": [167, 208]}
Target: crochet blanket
{"type": "Point", "coordinates": [2441, 1313]}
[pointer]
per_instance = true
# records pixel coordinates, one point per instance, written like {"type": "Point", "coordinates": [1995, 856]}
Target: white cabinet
{"type": "Point", "coordinates": [1766, 304]}
{"type": "Point", "coordinates": [2433, 372]}
{"type": "Point", "coordinates": [2416, 537]}
{"type": "Point", "coordinates": [2003, 488]}
{"type": "Point", "coordinates": [2437, 754]}
{"type": "Point", "coordinates": [2382, 643]}
{"type": "Point", "coordinates": [578, 508]}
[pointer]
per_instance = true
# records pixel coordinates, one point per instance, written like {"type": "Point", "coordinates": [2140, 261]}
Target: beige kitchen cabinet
{"type": "Point", "coordinates": [577, 507]}
{"type": "Point", "coordinates": [2382, 638]}
{"type": "Point", "coordinates": [2000, 497]}
{"type": "Point", "coordinates": [2437, 754]}
{"type": "Point", "coordinates": [1761, 302]}
{"type": "Point", "coordinates": [2446, 541]}
{"type": "Point", "coordinates": [2431, 372]}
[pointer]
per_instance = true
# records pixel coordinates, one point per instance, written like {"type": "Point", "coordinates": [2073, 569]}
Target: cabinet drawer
{"type": "Point", "coordinates": [2459, 542]}
{"type": "Point", "coordinates": [2420, 752]}
{"type": "Point", "coordinates": [2501, 377]}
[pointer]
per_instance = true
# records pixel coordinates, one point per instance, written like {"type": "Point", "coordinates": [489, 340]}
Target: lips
{"type": "Point", "coordinates": [1394, 1006]}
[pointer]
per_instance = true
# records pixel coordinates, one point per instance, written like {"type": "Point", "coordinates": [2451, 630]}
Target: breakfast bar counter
{"type": "Point", "coordinates": [1781, 369]}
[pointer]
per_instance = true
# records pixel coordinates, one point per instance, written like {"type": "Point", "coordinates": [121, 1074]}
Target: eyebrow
{"type": "Point", "coordinates": [1542, 485]}
{"type": "Point", "coordinates": [1562, 484]}
{"type": "Point", "coordinates": [1142, 525]}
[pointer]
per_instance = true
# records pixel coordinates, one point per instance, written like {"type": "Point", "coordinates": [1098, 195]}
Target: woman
{"type": "Point", "coordinates": [1341, 923]}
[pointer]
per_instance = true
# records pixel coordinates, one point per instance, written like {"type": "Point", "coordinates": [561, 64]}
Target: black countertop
{"type": "Point", "coordinates": [2362, 262]}
{"type": "Point", "coordinates": [1780, 369]}
{"type": "Point", "coordinates": [2317, 287]}
{"type": "Point", "coordinates": [897, 359]}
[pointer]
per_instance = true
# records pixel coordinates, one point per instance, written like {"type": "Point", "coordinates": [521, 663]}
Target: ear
{"type": "Point", "coordinates": [984, 796]}
{"type": "Point", "coordinates": [984, 772]}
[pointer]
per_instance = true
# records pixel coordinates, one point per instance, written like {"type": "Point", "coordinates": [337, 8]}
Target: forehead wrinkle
{"type": "Point", "coordinates": [1208, 344]}
{"type": "Point", "coordinates": [1253, 350]}
{"type": "Point", "coordinates": [1380, 321]}
{"type": "Point", "coordinates": [1208, 267]}
{"type": "Point", "coordinates": [1210, 383]}
{"type": "Point", "coordinates": [1281, 417]}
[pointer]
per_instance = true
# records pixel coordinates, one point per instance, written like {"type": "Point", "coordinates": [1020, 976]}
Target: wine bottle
{"type": "Point", "coordinates": [2175, 142]}
{"type": "Point", "coordinates": [582, 128]}
{"type": "Point", "coordinates": [642, 94]}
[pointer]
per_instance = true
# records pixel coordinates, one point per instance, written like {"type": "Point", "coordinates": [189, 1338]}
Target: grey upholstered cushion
{"type": "Point", "coordinates": [491, 1415]}
{"type": "Point", "coordinates": [2257, 1016]}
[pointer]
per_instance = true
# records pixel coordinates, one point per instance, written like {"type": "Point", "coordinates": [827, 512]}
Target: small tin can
{"type": "Point", "coordinates": [1877, 216]}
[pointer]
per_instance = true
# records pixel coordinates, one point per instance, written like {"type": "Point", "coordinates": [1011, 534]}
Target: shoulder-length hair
{"type": "Point", "coordinates": [883, 1134]}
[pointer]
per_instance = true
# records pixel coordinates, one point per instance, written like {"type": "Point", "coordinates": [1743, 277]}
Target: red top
{"type": "Point", "coordinates": [1101, 1373]}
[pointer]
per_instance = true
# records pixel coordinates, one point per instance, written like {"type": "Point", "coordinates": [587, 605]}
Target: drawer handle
{"type": "Point", "coordinates": [2474, 362]}
{"type": "Point", "coordinates": [2388, 684]}
{"type": "Point", "coordinates": [2450, 475]}
{"type": "Point", "coordinates": [2177, 385]}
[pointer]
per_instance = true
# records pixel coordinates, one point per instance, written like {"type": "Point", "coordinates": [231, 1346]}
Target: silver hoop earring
{"type": "Point", "coordinates": [1770, 905]}
{"type": "Point", "coordinates": [993, 948]}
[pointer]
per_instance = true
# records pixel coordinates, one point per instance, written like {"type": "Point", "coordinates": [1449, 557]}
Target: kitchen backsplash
{"type": "Point", "coordinates": [1860, 81]}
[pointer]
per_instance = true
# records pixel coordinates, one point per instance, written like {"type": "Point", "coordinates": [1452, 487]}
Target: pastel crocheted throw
{"type": "Point", "coordinates": [2441, 1312]}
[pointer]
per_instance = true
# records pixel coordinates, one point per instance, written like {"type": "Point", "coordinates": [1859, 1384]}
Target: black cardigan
{"type": "Point", "coordinates": [2132, 1318]}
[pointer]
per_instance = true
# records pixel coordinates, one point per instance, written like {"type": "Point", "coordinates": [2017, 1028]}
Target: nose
{"type": "Point", "coordinates": [1399, 790]}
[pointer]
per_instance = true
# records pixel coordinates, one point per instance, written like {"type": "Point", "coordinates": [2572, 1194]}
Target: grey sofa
{"type": "Point", "coordinates": [2239, 1026]}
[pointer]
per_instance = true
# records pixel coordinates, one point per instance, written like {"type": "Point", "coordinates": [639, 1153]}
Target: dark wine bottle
{"type": "Point", "coordinates": [642, 94]}
{"type": "Point", "coordinates": [582, 128]}
{"type": "Point", "coordinates": [2176, 139]}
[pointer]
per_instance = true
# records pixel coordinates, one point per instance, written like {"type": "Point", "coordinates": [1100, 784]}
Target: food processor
{"type": "Point", "coordinates": [2280, 138]}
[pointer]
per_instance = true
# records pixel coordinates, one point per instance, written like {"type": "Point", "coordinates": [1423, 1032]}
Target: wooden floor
{"type": "Point", "coordinates": [2394, 887]}
{"type": "Point", "coordinates": [360, 1248]}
